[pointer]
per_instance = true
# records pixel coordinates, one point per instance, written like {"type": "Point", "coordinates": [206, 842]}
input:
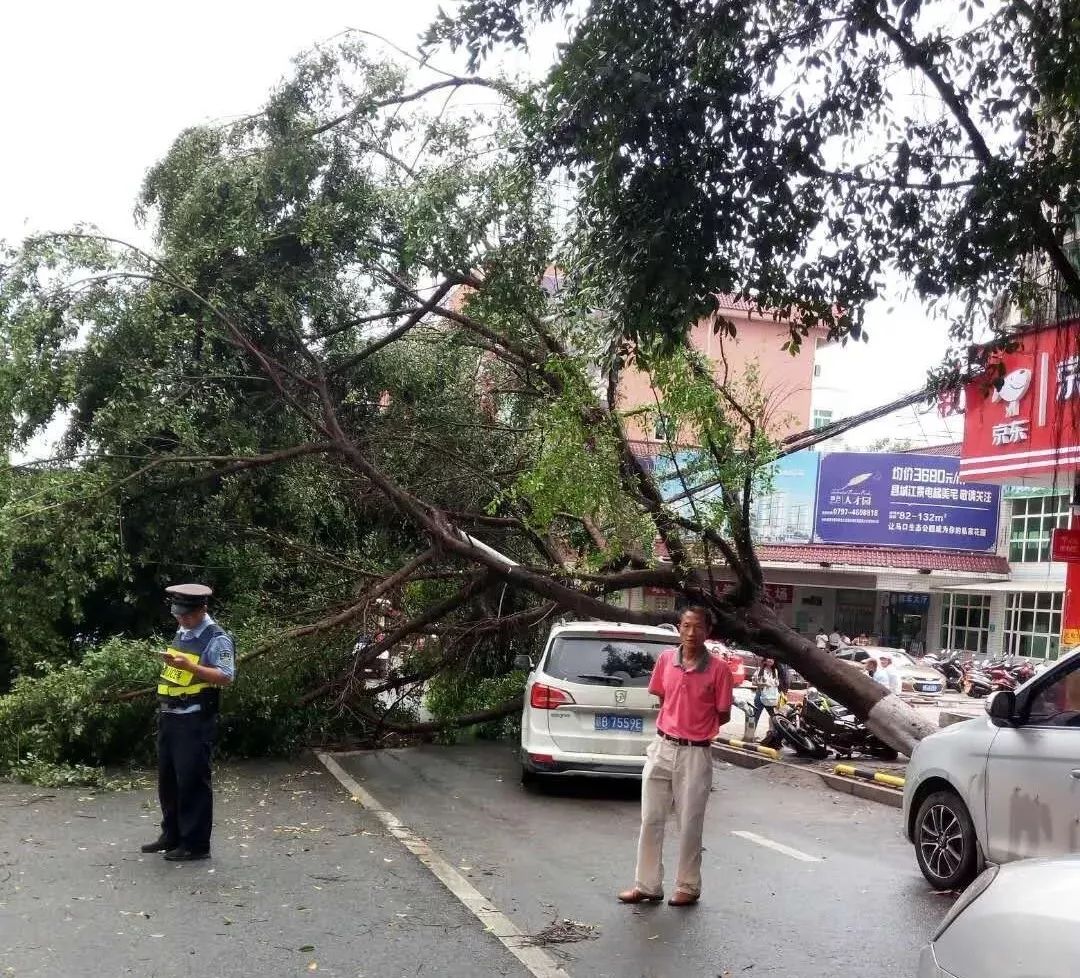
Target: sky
{"type": "Point", "coordinates": [96, 92]}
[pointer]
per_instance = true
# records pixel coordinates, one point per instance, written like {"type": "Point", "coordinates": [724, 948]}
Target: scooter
{"type": "Point", "coordinates": [950, 665]}
{"type": "Point", "coordinates": [998, 674]}
{"type": "Point", "coordinates": [819, 724]}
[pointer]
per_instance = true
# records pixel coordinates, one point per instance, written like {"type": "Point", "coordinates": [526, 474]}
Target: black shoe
{"type": "Point", "coordinates": [161, 844]}
{"type": "Point", "coordinates": [182, 855]}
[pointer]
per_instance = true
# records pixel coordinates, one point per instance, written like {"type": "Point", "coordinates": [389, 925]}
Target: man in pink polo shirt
{"type": "Point", "coordinates": [695, 691]}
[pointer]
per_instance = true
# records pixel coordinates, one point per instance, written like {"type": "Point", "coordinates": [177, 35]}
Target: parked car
{"type": "Point", "coordinates": [587, 708]}
{"type": "Point", "coordinates": [915, 679]}
{"type": "Point", "coordinates": [1001, 787]}
{"type": "Point", "coordinates": [1023, 919]}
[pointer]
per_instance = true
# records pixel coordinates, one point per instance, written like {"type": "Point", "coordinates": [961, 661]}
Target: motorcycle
{"type": "Point", "coordinates": [950, 664]}
{"type": "Point", "coordinates": [997, 674]}
{"type": "Point", "coordinates": [820, 724]}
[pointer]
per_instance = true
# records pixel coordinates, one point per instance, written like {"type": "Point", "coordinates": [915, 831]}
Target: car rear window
{"type": "Point", "coordinates": [604, 661]}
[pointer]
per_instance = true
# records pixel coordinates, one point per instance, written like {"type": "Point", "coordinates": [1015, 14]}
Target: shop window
{"type": "Point", "coordinates": [1033, 623]}
{"type": "Point", "coordinates": [1030, 525]}
{"type": "Point", "coordinates": [965, 621]}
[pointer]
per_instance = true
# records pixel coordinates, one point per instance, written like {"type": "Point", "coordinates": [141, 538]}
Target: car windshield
{"type": "Point", "coordinates": [603, 660]}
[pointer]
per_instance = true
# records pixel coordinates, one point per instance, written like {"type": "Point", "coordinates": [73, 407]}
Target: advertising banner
{"type": "Point", "coordinates": [1023, 421]}
{"type": "Point", "coordinates": [903, 500]}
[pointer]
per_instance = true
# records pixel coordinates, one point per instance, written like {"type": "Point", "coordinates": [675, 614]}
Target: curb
{"type": "Point", "coordinates": [866, 790]}
{"type": "Point", "coordinates": [747, 745]}
{"type": "Point", "coordinates": [869, 774]}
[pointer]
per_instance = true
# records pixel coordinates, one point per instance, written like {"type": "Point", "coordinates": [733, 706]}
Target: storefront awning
{"type": "Point", "coordinates": [993, 586]}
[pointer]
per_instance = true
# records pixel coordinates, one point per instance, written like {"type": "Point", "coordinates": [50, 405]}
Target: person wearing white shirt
{"type": "Point", "coordinates": [884, 675]}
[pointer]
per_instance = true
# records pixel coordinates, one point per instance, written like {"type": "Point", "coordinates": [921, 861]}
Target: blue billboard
{"type": "Point", "coordinates": [902, 500]}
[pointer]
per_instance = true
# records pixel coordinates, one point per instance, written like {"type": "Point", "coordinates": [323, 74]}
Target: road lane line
{"type": "Point", "coordinates": [777, 846]}
{"type": "Point", "coordinates": [537, 962]}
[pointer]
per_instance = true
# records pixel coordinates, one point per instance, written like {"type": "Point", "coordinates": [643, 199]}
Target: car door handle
{"type": "Point", "coordinates": [1075, 774]}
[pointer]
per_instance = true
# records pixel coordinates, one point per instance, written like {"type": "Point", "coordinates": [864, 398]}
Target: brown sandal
{"type": "Point", "coordinates": [635, 895]}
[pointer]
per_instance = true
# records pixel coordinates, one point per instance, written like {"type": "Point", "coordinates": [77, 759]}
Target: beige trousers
{"type": "Point", "coordinates": [680, 777]}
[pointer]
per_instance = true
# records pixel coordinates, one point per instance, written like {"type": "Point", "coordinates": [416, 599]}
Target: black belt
{"type": "Point", "coordinates": [682, 741]}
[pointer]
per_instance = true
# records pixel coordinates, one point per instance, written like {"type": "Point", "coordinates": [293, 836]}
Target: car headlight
{"type": "Point", "coordinates": [968, 897]}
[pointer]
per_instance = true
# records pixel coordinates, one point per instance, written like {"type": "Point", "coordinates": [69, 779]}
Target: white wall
{"type": "Point", "coordinates": [809, 618]}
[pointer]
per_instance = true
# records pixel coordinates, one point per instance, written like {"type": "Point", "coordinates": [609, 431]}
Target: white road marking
{"type": "Point", "coordinates": [536, 961]}
{"type": "Point", "coordinates": [777, 846]}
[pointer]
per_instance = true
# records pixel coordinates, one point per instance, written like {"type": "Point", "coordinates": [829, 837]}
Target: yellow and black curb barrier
{"type": "Point", "coordinates": [869, 774]}
{"type": "Point", "coordinates": [749, 747]}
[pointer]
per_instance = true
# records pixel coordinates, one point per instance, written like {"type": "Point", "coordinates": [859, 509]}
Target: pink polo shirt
{"type": "Point", "coordinates": [696, 701]}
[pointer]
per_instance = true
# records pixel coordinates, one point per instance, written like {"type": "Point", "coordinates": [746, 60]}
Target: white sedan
{"type": "Point", "coordinates": [1001, 787]}
{"type": "Point", "coordinates": [915, 679]}
{"type": "Point", "coordinates": [1023, 919]}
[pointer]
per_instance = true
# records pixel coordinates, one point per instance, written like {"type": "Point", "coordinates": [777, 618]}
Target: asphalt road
{"type": "Point", "coordinates": [303, 882]}
{"type": "Point", "coordinates": [817, 883]}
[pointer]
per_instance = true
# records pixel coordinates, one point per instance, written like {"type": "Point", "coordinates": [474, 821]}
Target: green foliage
{"type": "Point", "coordinates": [66, 725]}
{"type": "Point", "coordinates": [774, 151]}
{"type": "Point", "coordinates": [451, 696]}
{"type": "Point", "coordinates": [69, 714]}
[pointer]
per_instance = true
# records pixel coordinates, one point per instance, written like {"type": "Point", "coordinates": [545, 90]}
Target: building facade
{"type": "Point", "coordinates": [753, 356]}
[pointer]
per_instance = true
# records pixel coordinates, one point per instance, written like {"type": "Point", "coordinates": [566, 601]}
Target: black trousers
{"type": "Point", "coordinates": [185, 743]}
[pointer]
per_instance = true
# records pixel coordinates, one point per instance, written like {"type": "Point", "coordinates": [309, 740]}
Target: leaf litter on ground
{"type": "Point", "coordinates": [562, 932]}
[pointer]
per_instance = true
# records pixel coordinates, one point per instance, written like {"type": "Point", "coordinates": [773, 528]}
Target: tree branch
{"type": "Point", "coordinates": [363, 108]}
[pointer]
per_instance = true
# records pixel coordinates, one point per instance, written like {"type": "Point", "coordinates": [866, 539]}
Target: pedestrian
{"type": "Point", "coordinates": [835, 639]}
{"type": "Point", "coordinates": [822, 639]}
{"type": "Point", "coordinates": [770, 681]}
{"type": "Point", "coordinates": [885, 675]}
{"type": "Point", "coordinates": [695, 691]}
{"type": "Point", "coordinates": [198, 662]}
{"type": "Point", "coordinates": [871, 667]}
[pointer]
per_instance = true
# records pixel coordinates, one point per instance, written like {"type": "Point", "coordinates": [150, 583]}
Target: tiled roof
{"type": "Point", "coordinates": [951, 450]}
{"type": "Point", "coordinates": [900, 557]}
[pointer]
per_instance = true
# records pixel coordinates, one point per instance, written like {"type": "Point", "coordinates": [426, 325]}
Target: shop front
{"type": "Point", "coordinates": [1022, 429]}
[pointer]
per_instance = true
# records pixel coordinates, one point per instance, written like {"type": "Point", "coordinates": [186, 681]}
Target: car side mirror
{"type": "Point", "coordinates": [523, 662]}
{"type": "Point", "coordinates": [1001, 707]}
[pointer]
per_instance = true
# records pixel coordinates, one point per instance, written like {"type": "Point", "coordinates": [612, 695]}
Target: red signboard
{"type": "Point", "coordinates": [1027, 424]}
{"type": "Point", "coordinates": [1065, 545]}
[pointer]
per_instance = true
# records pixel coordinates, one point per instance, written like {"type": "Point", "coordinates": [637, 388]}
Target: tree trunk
{"type": "Point", "coordinates": [887, 715]}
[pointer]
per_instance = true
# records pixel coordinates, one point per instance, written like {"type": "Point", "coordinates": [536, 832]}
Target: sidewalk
{"type": "Point", "coordinates": [302, 882]}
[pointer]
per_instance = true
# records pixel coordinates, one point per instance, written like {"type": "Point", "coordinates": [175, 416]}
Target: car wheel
{"type": "Point", "coordinates": [946, 848]}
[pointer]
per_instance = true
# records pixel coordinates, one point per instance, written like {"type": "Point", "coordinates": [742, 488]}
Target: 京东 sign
{"type": "Point", "coordinates": [1023, 419]}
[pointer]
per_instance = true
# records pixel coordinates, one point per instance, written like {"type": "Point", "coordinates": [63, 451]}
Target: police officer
{"type": "Point", "coordinates": [196, 665]}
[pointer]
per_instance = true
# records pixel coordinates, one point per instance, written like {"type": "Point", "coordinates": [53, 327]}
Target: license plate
{"type": "Point", "coordinates": [612, 721]}
{"type": "Point", "coordinates": [928, 687]}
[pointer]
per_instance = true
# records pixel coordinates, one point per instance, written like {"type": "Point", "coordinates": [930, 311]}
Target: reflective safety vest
{"type": "Point", "coordinates": [178, 687]}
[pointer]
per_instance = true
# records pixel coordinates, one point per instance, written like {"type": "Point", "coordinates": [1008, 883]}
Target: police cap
{"type": "Point", "coordinates": [189, 595]}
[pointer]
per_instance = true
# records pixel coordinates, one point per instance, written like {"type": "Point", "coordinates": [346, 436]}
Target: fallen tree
{"type": "Point", "coordinates": [370, 262]}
